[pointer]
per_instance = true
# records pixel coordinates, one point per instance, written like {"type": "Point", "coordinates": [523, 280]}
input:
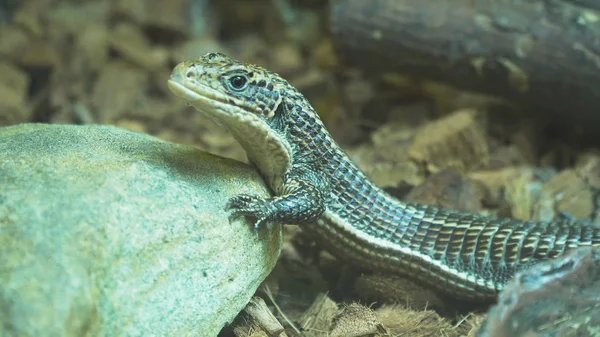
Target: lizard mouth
{"type": "Point", "coordinates": [205, 99]}
{"type": "Point", "coordinates": [202, 96]}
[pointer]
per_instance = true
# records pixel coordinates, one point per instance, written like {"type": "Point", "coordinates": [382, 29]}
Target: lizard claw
{"type": "Point", "coordinates": [249, 206]}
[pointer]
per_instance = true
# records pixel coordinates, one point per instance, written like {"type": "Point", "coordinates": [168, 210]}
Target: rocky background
{"type": "Point", "coordinates": [107, 62]}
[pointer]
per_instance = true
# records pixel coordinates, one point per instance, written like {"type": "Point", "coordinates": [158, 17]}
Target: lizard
{"type": "Point", "coordinates": [316, 185]}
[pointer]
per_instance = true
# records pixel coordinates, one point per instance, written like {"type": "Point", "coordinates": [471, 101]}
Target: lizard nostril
{"type": "Point", "coordinates": [189, 74]}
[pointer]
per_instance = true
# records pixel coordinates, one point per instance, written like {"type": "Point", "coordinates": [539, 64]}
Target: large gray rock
{"type": "Point", "coordinates": [105, 232]}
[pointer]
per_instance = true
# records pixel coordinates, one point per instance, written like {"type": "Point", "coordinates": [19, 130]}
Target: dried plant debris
{"type": "Point", "coordinates": [262, 321]}
{"type": "Point", "coordinates": [326, 318]}
{"type": "Point", "coordinates": [394, 289]}
{"type": "Point", "coordinates": [317, 319]}
{"type": "Point", "coordinates": [356, 320]}
{"type": "Point", "coordinates": [405, 322]}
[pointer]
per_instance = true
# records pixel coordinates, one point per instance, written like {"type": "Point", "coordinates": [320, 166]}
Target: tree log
{"type": "Point", "coordinates": [542, 54]}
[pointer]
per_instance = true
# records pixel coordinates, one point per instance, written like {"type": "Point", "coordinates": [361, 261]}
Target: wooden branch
{"type": "Point", "coordinates": [544, 54]}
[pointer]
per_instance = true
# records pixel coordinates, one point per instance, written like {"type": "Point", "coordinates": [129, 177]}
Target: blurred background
{"type": "Point", "coordinates": [107, 61]}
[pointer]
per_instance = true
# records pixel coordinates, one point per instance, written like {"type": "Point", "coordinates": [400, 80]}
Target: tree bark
{"type": "Point", "coordinates": [544, 54]}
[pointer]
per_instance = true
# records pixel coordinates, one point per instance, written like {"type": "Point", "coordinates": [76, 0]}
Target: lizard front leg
{"type": "Point", "coordinates": [301, 202]}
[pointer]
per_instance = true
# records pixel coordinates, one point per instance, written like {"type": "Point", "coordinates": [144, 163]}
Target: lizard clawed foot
{"type": "Point", "coordinates": [249, 206]}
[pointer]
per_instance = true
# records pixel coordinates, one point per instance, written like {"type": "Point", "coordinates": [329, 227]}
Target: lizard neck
{"type": "Point", "coordinates": [314, 149]}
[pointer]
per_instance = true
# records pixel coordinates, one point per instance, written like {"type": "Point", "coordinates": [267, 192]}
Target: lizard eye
{"type": "Point", "coordinates": [238, 82]}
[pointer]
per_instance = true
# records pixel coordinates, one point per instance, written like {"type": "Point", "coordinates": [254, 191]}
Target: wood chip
{"type": "Point", "coordinates": [287, 59]}
{"type": "Point", "coordinates": [13, 41]}
{"type": "Point", "coordinates": [456, 140]}
{"type": "Point", "coordinates": [133, 45]}
{"type": "Point", "coordinates": [15, 79]}
{"type": "Point", "coordinates": [92, 46]}
{"type": "Point", "coordinates": [588, 167]}
{"type": "Point", "coordinates": [39, 55]}
{"type": "Point", "coordinates": [257, 309]}
{"type": "Point", "coordinates": [514, 186]}
{"type": "Point", "coordinates": [169, 16]}
{"type": "Point", "coordinates": [449, 189]}
{"type": "Point", "coordinates": [316, 320]}
{"type": "Point", "coordinates": [13, 94]}
{"type": "Point", "coordinates": [118, 91]}
{"type": "Point", "coordinates": [385, 161]}
{"type": "Point", "coordinates": [571, 193]}
{"type": "Point", "coordinates": [133, 10]}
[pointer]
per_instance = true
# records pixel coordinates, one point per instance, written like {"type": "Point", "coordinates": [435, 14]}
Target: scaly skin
{"type": "Point", "coordinates": [317, 186]}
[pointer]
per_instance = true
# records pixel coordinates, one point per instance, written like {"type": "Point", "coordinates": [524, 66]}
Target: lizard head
{"type": "Point", "coordinates": [218, 83]}
{"type": "Point", "coordinates": [245, 99]}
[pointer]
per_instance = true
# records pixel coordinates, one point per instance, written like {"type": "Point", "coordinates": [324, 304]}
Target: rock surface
{"type": "Point", "coordinates": [105, 232]}
{"type": "Point", "coordinates": [559, 297]}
